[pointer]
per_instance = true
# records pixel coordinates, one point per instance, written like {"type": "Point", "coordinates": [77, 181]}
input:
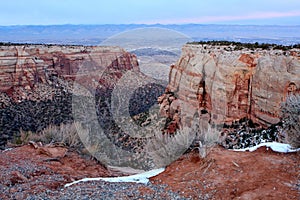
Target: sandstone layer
{"type": "Point", "coordinates": [26, 67]}
{"type": "Point", "coordinates": [36, 82]}
{"type": "Point", "coordinates": [231, 84]}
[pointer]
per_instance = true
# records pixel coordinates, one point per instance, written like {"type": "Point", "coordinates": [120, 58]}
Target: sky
{"type": "Point", "coordinates": [50, 12]}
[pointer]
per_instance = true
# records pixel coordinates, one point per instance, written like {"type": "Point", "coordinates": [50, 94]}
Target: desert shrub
{"type": "Point", "coordinates": [21, 138]}
{"type": "Point", "coordinates": [290, 115]}
{"type": "Point", "coordinates": [207, 137]}
{"type": "Point", "coordinates": [239, 45]}
{"type": "Point", "coordinates": [65, 134]}
{"type": "Point", "coordinates": [164, 148]}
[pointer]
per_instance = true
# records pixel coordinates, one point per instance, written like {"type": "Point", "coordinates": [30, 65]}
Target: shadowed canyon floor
{"type": "Point", "coordinates": [28, 172]}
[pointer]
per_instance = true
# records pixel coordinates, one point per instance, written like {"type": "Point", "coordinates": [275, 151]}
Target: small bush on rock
{"type": "Point", "coordinates": [290, 114]}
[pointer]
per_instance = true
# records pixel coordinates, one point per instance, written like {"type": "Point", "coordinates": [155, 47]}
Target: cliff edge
{"type": "Point", "coordinates": [23, 68]}
{"type": "Point", "coordinates": [231, 83]}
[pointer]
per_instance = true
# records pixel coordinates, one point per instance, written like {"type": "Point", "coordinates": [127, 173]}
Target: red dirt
{"type": "Point", "coordinates": [223, 174]}
{"type": "Point", "coordinates": [36, 170]}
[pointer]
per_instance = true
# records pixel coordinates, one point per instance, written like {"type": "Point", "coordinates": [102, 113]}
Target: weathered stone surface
{"type": "Point", "coordinates": [26, 66]}
{"type": "Point", "coordinates": [36, 82]}
{"type": "Point", "coordinates": [231, 85]}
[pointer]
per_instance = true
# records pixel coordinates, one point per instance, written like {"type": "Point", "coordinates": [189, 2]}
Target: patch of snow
{"type": "Point", "coordinates": [275, 146]}
{"type": "Point", "coordinates": [8, 149]}
{"type": "Point", "coordinates": [137, 178]}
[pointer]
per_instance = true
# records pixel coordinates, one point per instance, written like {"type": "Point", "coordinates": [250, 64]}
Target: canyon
{"type": "Point", "coordinates": [219, 83]}
{"type": "Point", "coordinates": [36, 82]}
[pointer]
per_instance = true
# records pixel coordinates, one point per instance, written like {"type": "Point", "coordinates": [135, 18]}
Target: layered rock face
{"type": "Point", "coordinates": [36, 82]}
{"type": "Point", "coordinates": [232, 84]}
{"type": "Point", "coordinates": [25, 67]}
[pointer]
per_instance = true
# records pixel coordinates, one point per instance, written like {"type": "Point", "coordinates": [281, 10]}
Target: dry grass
{"type": "Point", "coordinates": [208, 137]}
{"type": "Point", "coordinates": [290, 114]}
{"type": "Point", "coordinates": [164, 149]}
{"type": "Point", "coordinates": [65, 134]}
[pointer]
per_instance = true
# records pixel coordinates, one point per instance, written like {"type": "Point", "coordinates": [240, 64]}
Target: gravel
{"type": "Point", "coordinates": [105, 190]}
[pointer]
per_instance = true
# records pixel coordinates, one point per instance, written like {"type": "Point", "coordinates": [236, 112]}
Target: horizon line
{"type": "Point", "coordinates": [148, 24]}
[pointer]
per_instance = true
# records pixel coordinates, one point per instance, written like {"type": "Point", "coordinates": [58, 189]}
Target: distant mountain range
{"type": "Point", "coordinates": [95, 34]}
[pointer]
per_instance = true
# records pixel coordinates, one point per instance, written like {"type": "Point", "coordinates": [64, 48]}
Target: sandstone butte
{"type": "Point", "coordinates": [232, 84]}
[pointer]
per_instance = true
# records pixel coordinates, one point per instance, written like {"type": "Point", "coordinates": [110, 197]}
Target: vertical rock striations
{"type": "Point", "coordinates": [232, 84]}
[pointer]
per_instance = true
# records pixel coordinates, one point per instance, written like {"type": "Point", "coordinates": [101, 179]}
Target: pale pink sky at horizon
{"type": "Point", "coordinates": [211, 19]}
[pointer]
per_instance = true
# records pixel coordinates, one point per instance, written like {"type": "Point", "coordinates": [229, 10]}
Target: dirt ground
{"type": "Point", "coordinates": [223, 174]}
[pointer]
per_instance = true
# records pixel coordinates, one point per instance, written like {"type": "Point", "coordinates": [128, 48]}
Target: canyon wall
{"type": "Point", "coordinates": [36, 82]}
{"type": "Point", "coordinates": [219, 83]}
{"type": "Point", "coordinates": [26, 67]}
{"type": "Point", "coordinates": [227, 84]}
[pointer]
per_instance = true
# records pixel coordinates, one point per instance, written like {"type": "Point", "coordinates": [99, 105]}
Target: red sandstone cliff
{"type": "Point", "coordinates": [228, 84]}
{"type": "Point", "coordinates": [37, 83]}
{"type": "Point", "coordinates": [232, 84]}
{"type": "Point", "coordinates": [25, 68]}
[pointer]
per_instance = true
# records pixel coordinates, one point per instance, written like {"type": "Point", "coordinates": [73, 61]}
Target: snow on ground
{"type": "Point", "coordinates": [137, 178]}
{"type": "Point", "coordinates": [144, 177]}
{"type": "Point", "coordinates": [275, 146]}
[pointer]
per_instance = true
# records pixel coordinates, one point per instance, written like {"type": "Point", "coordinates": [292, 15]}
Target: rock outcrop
{"type": "Point", "coordinates": [226, 84]}
{"type": "Point", "coordinates": [24, 68]}
{"type": "Point", "coordinates": [36, 82]}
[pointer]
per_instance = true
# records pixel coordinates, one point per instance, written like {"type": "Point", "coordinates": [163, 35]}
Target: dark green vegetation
{"type": "Point", "coordinates": [252, 46]}
{"type": "Point", "coordinates": [245, 133]}
{"type": "Point", "coordinates": [34, 116]}
{"type": "Point", "coordinates": [140, 102]}
{"type": "Point", "coordinates": [144, 98]}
